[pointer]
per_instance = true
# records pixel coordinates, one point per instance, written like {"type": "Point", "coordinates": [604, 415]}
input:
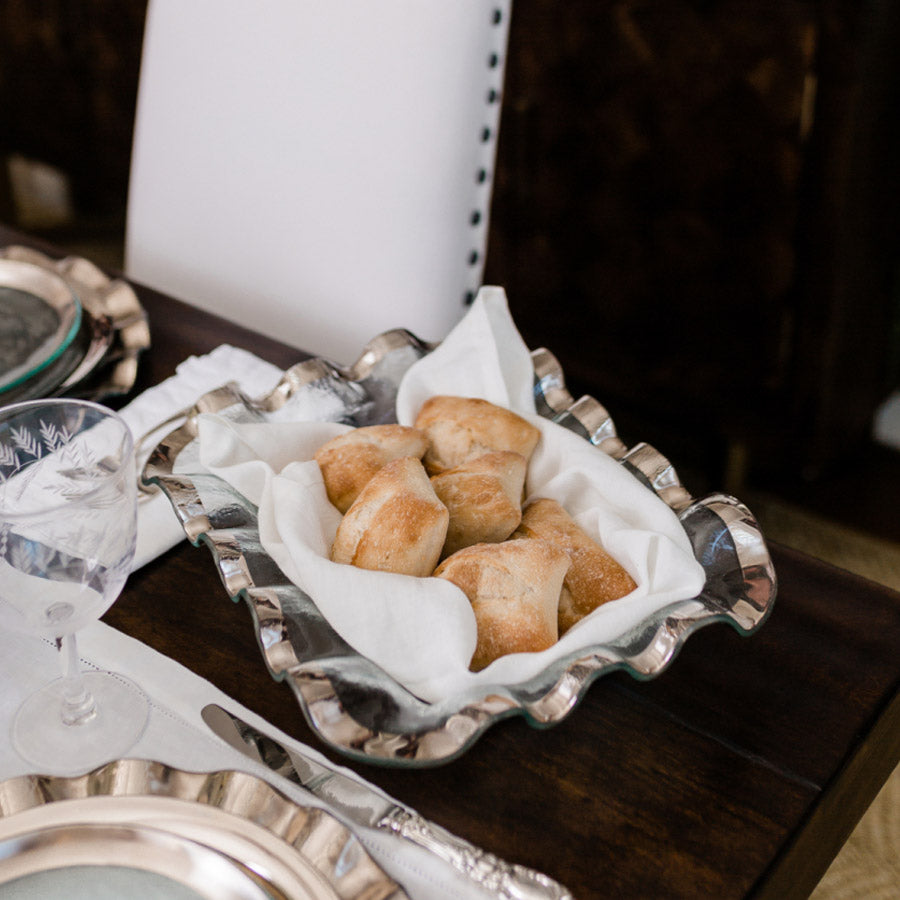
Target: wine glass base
{"type": "Point", "coordinates": [43, 739]}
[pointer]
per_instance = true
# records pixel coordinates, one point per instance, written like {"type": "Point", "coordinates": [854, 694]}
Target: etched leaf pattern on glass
{"type": "Point", "coordinates": [25, 442]}
{"type": "Point", "coordinates": [47, 549]}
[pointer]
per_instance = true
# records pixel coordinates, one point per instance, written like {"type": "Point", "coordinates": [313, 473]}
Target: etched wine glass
{"type": "Point", "coordinates": [68, 513]}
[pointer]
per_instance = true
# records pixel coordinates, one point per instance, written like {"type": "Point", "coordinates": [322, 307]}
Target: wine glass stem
{"type": "Point", "coordinates": [78, 703]}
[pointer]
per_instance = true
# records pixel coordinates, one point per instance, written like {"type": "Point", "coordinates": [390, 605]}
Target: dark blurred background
{"type": "Point", "coordinates": [695, 209]}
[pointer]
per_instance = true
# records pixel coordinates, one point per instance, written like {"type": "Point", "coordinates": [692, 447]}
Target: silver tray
{"type": "Point", "coordinates": [353, 705]}
{"type": "Point", "coordinates": [101, 359]}
{"type": "Point", "coordinates": [40, 317]}
{"type": "Point", "coordinates": [146, 829]}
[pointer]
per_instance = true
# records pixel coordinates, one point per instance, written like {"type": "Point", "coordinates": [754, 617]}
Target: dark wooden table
{"type": "Point", "coordinates": [737, 773]}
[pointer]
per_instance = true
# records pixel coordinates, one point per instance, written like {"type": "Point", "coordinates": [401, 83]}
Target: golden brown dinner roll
{"type": "Point", "coordinates": [484, 497]}
{"type": "Point", "coordinates": [594, 577]}
{"type": "Point", "coordinates": [461, 428]}
{"type": "Point", "coordinates": [349, 460]}
{"type": "Point", "coordinates": [396, 524]}
{"type": "Point", "coordinates": [514, 591]}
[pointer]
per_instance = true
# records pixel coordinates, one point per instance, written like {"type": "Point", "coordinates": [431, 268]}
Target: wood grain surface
{"type": "Point", "coordinates": [739, 772]}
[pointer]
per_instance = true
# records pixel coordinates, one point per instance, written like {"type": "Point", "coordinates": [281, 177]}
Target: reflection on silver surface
{"type": "Point", "coordinates": [366, 805]}
{"type": "Point", "coordinates": [99, 882]}
{"type": "Point", "coordinates": [216, 835]}
{"type": "Point", "coordinates": [351, 703]}
{"type": "Point", "coordinates": [101, 360]}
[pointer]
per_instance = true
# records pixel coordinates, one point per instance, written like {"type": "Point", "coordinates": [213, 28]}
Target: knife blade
{"type": "Point", "coordinates": [365, 805]}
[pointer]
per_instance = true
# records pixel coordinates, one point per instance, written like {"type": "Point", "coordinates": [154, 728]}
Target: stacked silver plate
{"type": "Point", "coordinates": [141, 828]}
{"type": "Point", "coordinates": [351, 703]}
{"type": "Point", "coordinates": [66, 328]}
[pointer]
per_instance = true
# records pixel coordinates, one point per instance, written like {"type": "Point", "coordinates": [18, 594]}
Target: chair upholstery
{"type": "Point", "coordinates": [319, 171]}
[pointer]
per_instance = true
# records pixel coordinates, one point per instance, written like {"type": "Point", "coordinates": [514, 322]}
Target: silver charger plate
{"type": "Point", "coordinates": [40, 316]}
{"type": "Point", "coordinates": [144, 829]}
{"type": "Point", "coordinates": [100, 359]}
{"type": "Point", "coordinates": [352, 704]}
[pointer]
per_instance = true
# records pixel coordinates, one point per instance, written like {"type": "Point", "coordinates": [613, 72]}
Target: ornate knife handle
{"type": "Point", "coordinates": [509, 882]}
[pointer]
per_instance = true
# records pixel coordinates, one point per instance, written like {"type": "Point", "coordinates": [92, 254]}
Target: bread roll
{"type": "Point", "coordinates": [349, 460]}
{"type": "Point", "coordinates": [484, 497]}
{"type": "Point", "coordinates": [514, 591]}
{"type": "Point", "coordinates": [461, 428]}
{"type": "Point", "coordinates": [396, 524]}
{"type": "Point", "coordinates": [594, 577]}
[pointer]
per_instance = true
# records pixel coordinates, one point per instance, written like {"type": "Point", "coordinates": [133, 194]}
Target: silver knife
{"type": "Point", "coordinates": [366, 805]}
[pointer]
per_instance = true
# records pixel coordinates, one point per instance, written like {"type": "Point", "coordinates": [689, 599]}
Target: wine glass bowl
{"type": "Point", "coordinates": [67, 536]}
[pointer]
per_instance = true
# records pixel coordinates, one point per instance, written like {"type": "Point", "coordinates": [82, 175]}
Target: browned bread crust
{"type": "Point", "coordinates": [484, 497]}
{"type": "Point", "coordinates": [349, 460]}
{"type": "Point", "coordinates": [514, 591]}
{"type": "Point", "coordinates": [594, 578]}
{"type": "Point", "coordinates": [396, 524]}
{"type": "Point", "coordinates": [530, 575]}
{"type": "Point", "coordinates": [461, 428]}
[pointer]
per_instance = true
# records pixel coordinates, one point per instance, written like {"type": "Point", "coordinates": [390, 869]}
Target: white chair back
{"type": "Point", "coordinates": [319, 170]}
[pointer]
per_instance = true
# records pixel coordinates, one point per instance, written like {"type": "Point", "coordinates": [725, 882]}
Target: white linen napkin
{"type": "Point", "coordinates": [422, 630]}
{"type": "Point", "coordinates": [177, 736]}
{"type": "Point", "coordinates": [149, 416]}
